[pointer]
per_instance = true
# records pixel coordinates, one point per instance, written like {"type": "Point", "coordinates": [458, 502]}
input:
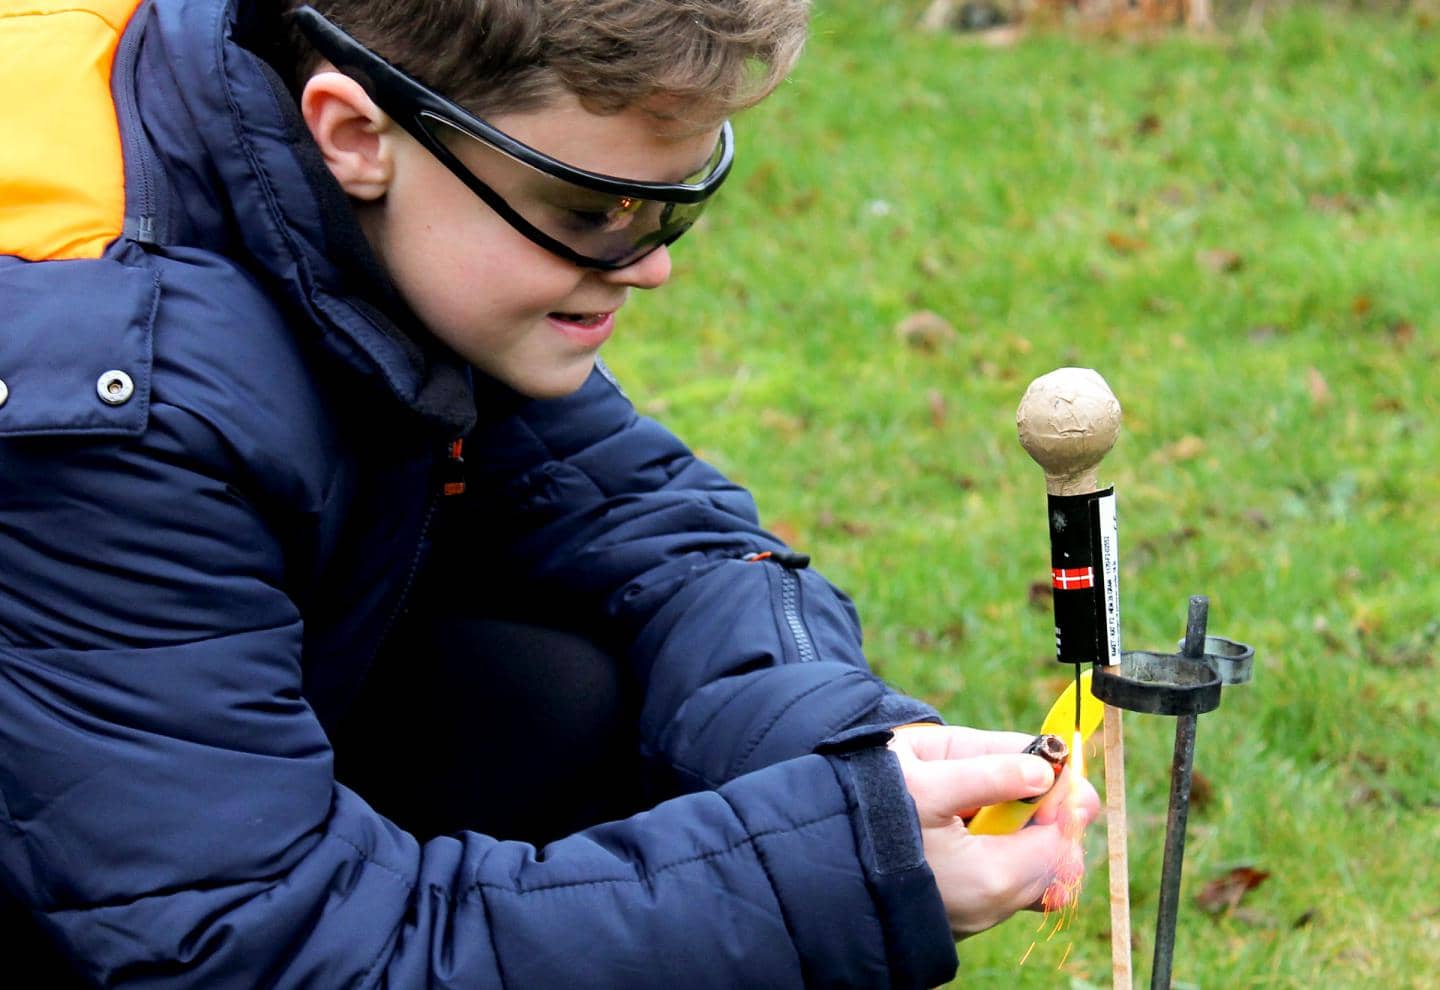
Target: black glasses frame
{"type": "Point", "coordinates": [409, 102]}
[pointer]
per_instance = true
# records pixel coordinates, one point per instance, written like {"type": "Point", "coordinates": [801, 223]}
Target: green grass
{"type": "Point", "coordinates": [1055, 202]}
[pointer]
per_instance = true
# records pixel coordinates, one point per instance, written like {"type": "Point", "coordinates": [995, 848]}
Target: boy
{"type": "Point", "coordinates": [301, 411]}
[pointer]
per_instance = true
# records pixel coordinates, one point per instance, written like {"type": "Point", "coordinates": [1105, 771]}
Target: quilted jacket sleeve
{"type": "Point", "coordinates": [168, 810]}
{"type": "Point", "coordinates": [745, 658]}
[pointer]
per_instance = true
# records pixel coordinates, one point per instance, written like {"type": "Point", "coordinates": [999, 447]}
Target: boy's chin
{"type": "Point", "coordinates": [556, 383]}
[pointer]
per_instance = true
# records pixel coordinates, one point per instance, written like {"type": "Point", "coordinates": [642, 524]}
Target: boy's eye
{"type": "Point", "coordinates": [587, 219]}
{"type": "Point", "coordinates": [616, 215]}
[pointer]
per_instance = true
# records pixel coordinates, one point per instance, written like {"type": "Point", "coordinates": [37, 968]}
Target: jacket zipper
{"type": "Point", "coordinates": [789, 562]}
{"type": "Point", "coordinates": [451, 483]}
{"type": "Point", "coordinates": [143, 228]}
{"type": "Point", "coordinates": [790, 602]}
{"type": "Point", "coordinates": [415, 560]}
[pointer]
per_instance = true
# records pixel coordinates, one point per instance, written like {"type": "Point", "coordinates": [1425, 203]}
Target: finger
{"type": "Point", "coordinates": [1021, 868]}
{"type": "Point", "coordinates": [942, 788]}
{"type": "Point", "coordinates": [1072, 802]}
{"type": "Point", "coordinates": [956, 742]}
{"type": "Point", "coordinates": [1067, 872]}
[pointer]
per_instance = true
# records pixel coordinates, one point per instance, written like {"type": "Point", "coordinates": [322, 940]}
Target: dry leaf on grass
{"type": "Point", "coordinates": [936, 401]}
{"type": "Point", "coordinates": [1187, 448]}
{"type": "Point", "coordinates": [1318, 387]}
{"type": "Point", "coordinates": [785, 532]}
{"type": "Point", "coordinates": [1148, 124]}
{"type": "Point", "coordinates": [1202, 792]}
{"type": "Point", "coordinates": [1221, 261]}
{"type": "Point", "coordinates": [827, 520]}
{"type": "Point", "coordinates": [925, 331]}
{"type": "Point", "coordinates": [1125, 243]}
{"type": "Point", "coordinates": [787, 425]}
{"type": "Point", "coordinates": [1225, 892]}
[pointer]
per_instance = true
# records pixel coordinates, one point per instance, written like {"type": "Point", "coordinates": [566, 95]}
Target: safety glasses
{"type": "Point", "coordinates": [593, 220]}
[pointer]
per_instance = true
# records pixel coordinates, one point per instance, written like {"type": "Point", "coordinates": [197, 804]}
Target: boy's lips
{"type": "Point", "coordinates": [587, 328]}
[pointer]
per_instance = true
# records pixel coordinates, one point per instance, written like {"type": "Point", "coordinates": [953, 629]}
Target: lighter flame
{"type": "Point", "coordinates": [1061, 900]}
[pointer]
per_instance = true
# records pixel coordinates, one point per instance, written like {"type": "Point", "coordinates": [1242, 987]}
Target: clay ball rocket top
{"type": "Point", "coordinates": [1068, 420]}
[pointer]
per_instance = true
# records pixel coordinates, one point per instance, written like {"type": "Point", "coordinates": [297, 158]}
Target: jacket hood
{"type": "Point", "coordinates": [221, 160]}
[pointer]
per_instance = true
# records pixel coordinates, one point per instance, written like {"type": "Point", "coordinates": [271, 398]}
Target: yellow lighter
{"type": "Point", "coordinates": [1001, 819]}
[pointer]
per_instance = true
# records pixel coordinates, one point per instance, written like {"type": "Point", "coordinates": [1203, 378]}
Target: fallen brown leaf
{"type": "Point", "coordinates": [925, 331]}
{"type": "Point", "coordinates": [1148, 124]}
{"type": "Point", "coordinates": [1402, 332]}
{"type": "Point", "coordinates": [1361, 305]}
{"type": "Point", "coordinates": [1202, 792]}
{"type": "Point", "coordinates": [1041, 595]}
{"type": "Point", "coordinates": [1256, 518]}
{"type": "Point", "coordinates": [1254, 919]}
{"type": "Point", "coordinates": [936, 401]}
{"type": "Point", "coordinates": [1332, 204]}
{"type": "Point", "coordinates": [785, 531]}
{"type": "Point", "coordinates": [763, 175]}
{"type": "Point", "coordinates": [1125, 243]}
{"type": "Point", "coordinates": [1224, 893]}
{"type": "Point", "coordinates": [1365, 794]}
{"type": "Point", "coordinates": [1380, 764]}
{"type": "Point", "coordinates": [932, 266]}
{"type": "Point", "coordinates": [1318, 387]}
{"type": "Point", "coordinates": [826, 520]}
{"type": "Point", "coordinates": [1220, 261]}
{"type": "Point", "coordinates": [1187, 448]}
{"type": "Point", "coordinates": [786, 424]}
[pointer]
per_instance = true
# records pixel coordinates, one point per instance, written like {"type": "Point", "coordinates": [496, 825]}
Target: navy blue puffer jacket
{"type": "Point", "coordinates": [221, 443]}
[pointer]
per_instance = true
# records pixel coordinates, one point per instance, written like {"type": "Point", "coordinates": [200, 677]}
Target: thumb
{"type": "Point", "coordinates": [942, 789]}
{"type": "Point", "coordinates": [1029, 861]}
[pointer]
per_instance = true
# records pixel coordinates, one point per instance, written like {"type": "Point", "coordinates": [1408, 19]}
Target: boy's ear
{"type": "Point", "coordinates": [355, 136]}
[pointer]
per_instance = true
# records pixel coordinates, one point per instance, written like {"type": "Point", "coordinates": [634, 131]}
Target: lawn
{"type": "Point", "coordinates": [1242, 234]}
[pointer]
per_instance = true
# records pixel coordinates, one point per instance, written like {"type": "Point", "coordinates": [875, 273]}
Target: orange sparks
{"type": "Point", "coordinates": [1062, 898]}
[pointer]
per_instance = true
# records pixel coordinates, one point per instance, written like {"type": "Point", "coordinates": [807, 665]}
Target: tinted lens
{"type": "Point", "coordinates": [602, 227]}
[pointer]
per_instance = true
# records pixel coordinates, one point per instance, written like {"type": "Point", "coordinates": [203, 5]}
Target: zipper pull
{"type": "Point", "coordinates": [791, 560]}
{"type": "Point", "coordinates": [453, 482]}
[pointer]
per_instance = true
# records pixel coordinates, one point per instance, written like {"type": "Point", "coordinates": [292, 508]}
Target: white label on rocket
{"type": "Point", "coordinates": [1110, 575]}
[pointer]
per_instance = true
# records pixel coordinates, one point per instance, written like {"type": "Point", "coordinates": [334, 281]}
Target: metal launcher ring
{"type": "Point", "coordinates": [1231, 660]}
{"type": "Point", "coordinates": [1159, 684]}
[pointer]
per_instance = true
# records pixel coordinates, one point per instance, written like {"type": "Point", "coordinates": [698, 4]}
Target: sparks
{"type": "Point", "coordinates": [1061, 900]}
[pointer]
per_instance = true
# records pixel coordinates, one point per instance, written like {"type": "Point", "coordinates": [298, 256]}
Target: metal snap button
{"type": "Point", "coordinates": [4, 391]}
{"type": "Point", "coordinates": [115, 388]}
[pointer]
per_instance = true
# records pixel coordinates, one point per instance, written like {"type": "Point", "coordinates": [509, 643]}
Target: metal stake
{"type": "Point", "coordinates": [1181, 774]}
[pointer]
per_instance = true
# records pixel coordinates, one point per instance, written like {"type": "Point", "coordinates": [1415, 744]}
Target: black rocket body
{"type": "Point", "coordinates": [1085, 577]}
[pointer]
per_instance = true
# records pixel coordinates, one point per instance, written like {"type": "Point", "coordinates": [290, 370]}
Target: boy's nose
{"type": "Point", "coordinates": [650, 272]}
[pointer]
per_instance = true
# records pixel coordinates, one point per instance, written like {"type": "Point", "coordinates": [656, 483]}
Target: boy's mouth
{"type": "Point", "coordinates": [582, 319]}
{"type": "Point", "coordinates": [586, 329]}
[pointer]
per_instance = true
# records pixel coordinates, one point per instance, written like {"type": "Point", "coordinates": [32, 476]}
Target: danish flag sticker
{"type": "Point", "coordinates": [1072, 578]}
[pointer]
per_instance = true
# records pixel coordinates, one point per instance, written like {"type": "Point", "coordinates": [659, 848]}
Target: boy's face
{"type": "Point", "coordinates": [525, 316]}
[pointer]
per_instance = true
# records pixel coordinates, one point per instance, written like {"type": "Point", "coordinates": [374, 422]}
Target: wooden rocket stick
{"type": "Point", "coordinates": [1068, 420]}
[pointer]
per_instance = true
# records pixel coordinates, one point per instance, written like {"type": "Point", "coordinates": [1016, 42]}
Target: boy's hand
{"type": "Point", "coordinates": [951, 772]}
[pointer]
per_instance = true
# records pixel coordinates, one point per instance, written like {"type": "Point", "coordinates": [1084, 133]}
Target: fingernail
{"type": "Point", "coordinates": [1038, 774]}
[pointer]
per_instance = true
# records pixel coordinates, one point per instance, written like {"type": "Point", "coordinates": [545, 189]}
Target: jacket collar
{"type": "Point", "coordinates": [239, 174]}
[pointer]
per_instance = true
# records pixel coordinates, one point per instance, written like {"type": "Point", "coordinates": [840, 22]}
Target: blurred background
{"type": "Point", "coordinates": [1235, 219]}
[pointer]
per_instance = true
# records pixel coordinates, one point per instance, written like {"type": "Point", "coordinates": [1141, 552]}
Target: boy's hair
{"type": "Point", "coordinates": [709, 57]}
